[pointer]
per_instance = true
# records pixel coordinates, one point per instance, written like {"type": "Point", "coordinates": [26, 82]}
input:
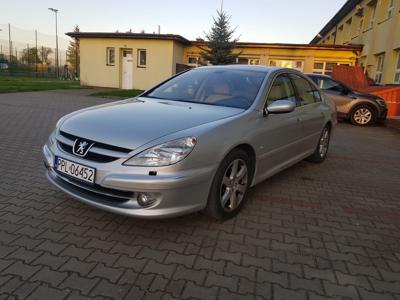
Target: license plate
{"type": "Point", "coordinates": [74, 169]}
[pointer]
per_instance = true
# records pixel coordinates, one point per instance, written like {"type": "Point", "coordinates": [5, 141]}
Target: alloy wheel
{"type": "Point", "coordinates": [362, 116]}
{"type": "Point", "coordinates": [323, 143]}
{"type": "Point", "coordinates": [234, 185]}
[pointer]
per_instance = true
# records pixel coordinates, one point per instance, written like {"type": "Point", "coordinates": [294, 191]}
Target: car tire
{"type": "Point", "coordinates": [363, 115]}
{"type": "Point", "coordinates": [322, 148]}
{"type": "Point", "coordinates": [230, 185]}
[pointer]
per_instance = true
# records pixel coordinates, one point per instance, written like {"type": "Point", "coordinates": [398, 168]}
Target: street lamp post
{"type": "Point", "coordinates": [55, 12]}
{"type": "Point", "coordinates": [1, 47]}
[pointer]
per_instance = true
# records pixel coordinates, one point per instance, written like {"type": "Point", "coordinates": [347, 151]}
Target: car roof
{"type": "Point", "coordinates": [318, 75]}
{"type": "Point", "coordinates": [244, 67]}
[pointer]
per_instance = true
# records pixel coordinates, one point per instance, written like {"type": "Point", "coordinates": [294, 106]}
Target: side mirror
{"type": "Point", "coordinates": [280, 107]}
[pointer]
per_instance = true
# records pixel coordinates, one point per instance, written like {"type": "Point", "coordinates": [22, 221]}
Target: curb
{"type": "Point", "coordinates": [393, 124]}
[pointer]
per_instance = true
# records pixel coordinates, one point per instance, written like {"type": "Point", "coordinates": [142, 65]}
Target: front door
{"type": "Point", "coordinates": [278, 135]}
{"type": "Point", "coordinates": [127, 70]}
{"type": "Point", "coordinates": [311, 111]}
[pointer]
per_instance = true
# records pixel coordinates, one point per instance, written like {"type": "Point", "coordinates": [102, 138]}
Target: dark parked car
{"type": "Point", "coordinates": [360, 108]}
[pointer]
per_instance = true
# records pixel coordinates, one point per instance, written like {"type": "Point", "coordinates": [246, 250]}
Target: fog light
{"type": "Point", "coordinates": [146, 199]}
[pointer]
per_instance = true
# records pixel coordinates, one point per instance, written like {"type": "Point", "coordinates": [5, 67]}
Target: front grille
{"type": "Point", "coordinates": [100, 145]}
{"type": "Point", "coordinates": [100, 152]}
{"type": "Point", "coordinates": [90, 156]}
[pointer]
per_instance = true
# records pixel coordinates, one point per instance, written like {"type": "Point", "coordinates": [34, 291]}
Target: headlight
{"type": "Point", "coordinates": [381, 102]}
{"type": "Point", "coordinates": [164, 154]}
{"type": "Point", "coordinates": [59, 122]}
{"type": "Point", "coordinates": [52, 138]}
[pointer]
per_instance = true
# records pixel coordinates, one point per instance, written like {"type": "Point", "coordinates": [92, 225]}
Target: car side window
{"type": "Point", "coordinates": [306, 92]}
{"type": "Point", "coordinates": [281, 89]}
{"type": "Point", "coordinates": [327, 84]}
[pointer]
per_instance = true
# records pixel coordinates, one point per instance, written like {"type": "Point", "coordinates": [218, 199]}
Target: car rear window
{"type": "Point", "coordinates": [213, 86]}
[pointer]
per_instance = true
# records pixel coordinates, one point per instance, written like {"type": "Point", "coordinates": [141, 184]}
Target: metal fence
{"type": "Point", "coordinates": [31, 53]}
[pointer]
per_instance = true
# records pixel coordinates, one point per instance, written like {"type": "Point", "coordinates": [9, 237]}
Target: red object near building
{"type": "Point", "coordinates": [355, 78]}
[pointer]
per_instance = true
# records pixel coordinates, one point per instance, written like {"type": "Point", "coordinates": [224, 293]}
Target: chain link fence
{"type": "Point", "coordinates": [31, 53]}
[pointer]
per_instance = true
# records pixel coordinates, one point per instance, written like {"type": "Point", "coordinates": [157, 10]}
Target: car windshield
{"type": "Point", "coordinates": [213, 86]}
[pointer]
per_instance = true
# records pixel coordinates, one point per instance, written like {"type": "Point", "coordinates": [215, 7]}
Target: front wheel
{"type": "Point", "coordinates": [362, 115]}
{"type": "Point", "coordinates": [323, 145]}
{"type": "Point", "coordinates": [230, 185]}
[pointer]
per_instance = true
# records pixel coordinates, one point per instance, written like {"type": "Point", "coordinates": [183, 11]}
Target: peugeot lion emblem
{"type": "Point", "coordinates": [81, 147]}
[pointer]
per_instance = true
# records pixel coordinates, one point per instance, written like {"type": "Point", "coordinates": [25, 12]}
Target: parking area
{"type": "Point", "coordinates": [327, 231]}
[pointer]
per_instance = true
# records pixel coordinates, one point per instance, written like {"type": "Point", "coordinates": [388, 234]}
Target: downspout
{"type": "Point", "coordinates": [334, 40]}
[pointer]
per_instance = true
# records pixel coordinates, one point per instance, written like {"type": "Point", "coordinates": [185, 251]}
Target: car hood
{"type": "Point", "coordinates": [364, 95]}
{"type": "Point", "coordinates": [133, 123]}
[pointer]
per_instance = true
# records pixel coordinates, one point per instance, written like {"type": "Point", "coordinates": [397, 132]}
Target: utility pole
{"type": "Point", "coordinates": [36, 52]}
{"type": "Point", "coordinates": [55, 12]}
{"type": "Point", "coordinates": [42, 59]}
{"type": "Point", "coordinates": [9, 43]}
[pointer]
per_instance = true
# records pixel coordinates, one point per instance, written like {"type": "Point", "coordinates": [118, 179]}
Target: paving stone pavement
{"type": "Point", "coordinates": [328, 231]}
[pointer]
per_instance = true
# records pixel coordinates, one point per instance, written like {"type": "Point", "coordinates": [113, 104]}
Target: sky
{"type": "Point", "coordinates": [270, 21]}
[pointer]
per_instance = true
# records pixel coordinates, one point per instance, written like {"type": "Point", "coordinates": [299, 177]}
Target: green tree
{"type": "Point", "coordinates": [3, 58]}
{"type": "Point", "coordinates": [30, 56]}
{"type": "Point", "coordinates": [220, 41]}
{"type": "Point", "coordinates": [73, 55]}
{"type": "Point", "coordinates": [44, 53]}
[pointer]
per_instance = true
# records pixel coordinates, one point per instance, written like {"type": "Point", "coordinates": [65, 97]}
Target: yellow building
{"type": "Point", "coordinates": [139, 61]}
{"type": "Point", "coordinates": [375, 24]}
{"type": "Point", "coordinates": [303, 57]}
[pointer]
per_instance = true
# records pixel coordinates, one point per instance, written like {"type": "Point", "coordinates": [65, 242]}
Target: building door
{"type": "Point", "coordinates": [127, 70]}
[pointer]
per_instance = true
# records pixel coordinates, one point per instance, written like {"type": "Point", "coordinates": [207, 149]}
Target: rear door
{"type": "Point", "coordinates": [311, 111]}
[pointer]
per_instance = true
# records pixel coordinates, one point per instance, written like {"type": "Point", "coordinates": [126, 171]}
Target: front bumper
{"type": "Point", "coordinates": [383, 114]}
{"type": "Point", "coordinates": [117, 187]}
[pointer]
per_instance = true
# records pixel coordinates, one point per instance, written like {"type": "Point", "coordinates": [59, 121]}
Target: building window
{"type": "Point", "coordinates": [292, 64]}
{"type": "Point", "coordinates": [372, 16]}
{"type": "Point", "coordinates": [380, 59]}
{"type": "Point", "coordinates": [253, 61]}
{"type": "Point", "coordinates": [390, 8]}
{"type": "Point", "coordinates": [397, 71]}
{"type": "Point", "coordinates": [110, 60]}
{"type": "Point", "coordinates": [142, 58]}
{"type": "Point", "coordinates": [325, 68]}
{"type": "Point", "coordinates": [193, 61]}
{"type": "Point", "coordinates": [247, 61]}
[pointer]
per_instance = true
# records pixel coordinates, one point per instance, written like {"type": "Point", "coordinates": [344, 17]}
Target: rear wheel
{"type": "Point", "coordinates": [230, 185]}
{"type": "Point", "coordinates": [323, 145]}
{"type": "Point", "coordinates": [363, 115]}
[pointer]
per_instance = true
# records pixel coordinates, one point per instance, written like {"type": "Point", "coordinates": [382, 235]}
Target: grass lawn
{"type": "Point", "coordinates": [120, 94]}
{"type": "Point", "coordinates": [10, 84]}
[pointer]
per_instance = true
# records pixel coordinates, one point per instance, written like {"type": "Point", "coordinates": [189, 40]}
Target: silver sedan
{"type": "Point", "coordinates": [196, 142]}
